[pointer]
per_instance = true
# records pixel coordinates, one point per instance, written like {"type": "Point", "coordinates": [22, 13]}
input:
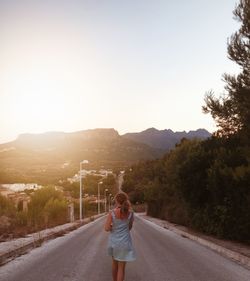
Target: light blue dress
{"type": "Point", "coordinates": [120, 245]}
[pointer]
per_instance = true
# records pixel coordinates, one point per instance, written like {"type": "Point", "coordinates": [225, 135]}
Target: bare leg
{"type": "Point", "coordinates": [121, 270]}
{"type": "Point", "coordinates": [114, 269]}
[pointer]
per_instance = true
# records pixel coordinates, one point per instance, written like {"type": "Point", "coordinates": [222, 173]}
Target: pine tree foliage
{"type": "Point", "coordinates": [232, 111]}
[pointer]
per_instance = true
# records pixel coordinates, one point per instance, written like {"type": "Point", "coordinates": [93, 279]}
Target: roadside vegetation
{"type": "Point", "coordinates": [48, 206]}
{"type": "Point", "coordinates": [206, 184]}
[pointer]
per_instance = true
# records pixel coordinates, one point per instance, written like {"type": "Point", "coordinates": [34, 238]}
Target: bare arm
{"type": "Point", "coordinates": [131, 221]}
{"type": "Point", "coordinates": [108, 224]}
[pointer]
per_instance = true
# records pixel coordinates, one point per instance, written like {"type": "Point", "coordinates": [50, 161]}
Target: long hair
{"type": "Point", "coordinates": [122, 199]}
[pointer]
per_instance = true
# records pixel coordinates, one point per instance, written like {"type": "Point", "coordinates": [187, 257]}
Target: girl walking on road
{"type": "Point", "coordinates": [119, 222]}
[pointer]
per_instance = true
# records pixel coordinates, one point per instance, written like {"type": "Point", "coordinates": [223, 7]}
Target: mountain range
{"type": "Point", "coordinates": [165, 139]}
{"type": "Point", "coordinates": [49, 157]}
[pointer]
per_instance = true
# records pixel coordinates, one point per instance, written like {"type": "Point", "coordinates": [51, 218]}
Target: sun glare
{"type": "Point", "coordinates": [38, 101]}
{"type": "Point", "coordinates": [36, 98]}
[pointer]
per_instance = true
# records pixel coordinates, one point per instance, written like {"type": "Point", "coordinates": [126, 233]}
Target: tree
{"type": "Point", "coordinates": [55, 211]}
{"type": "Point", "coordinates": [38, 202]}
{"type": "Point", "coordinates": [232, 111]}
{"type": "Point", "coordinates": [7, 207]}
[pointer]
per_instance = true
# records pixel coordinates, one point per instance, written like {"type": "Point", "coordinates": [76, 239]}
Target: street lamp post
{"type": "Point", "coordinates": [80, 174]}
{"type": "Point", "coordinates": [98, 197]}
{"type": "Point", "coordinates": [106, 200]}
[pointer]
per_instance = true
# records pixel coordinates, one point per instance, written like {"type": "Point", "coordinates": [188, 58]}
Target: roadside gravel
{"type": "Point", "coordinates": [239, 252]}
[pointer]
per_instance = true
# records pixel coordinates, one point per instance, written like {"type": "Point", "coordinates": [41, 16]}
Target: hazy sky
{"type": "Point", "coordinates": [131, 64]}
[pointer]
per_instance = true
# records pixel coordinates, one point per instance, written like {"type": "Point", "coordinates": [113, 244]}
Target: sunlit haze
{"type": "Point", "coordinates": [128, 65]}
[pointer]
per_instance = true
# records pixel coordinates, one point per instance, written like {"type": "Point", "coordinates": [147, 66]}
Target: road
{"type": "Point", "coordinates": [120, 181]}
{"type": "Point", "coordinates": [161, 256]}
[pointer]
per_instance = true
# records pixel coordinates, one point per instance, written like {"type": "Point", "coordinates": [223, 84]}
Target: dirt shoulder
{"type": "Point", "coordinates": [13, 248]}
{"type": "Point", "coordinates": [232, 249]}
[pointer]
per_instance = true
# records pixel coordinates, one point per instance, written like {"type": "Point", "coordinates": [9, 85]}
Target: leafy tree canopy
{"type": "Point", "coordinates": [232, 111]}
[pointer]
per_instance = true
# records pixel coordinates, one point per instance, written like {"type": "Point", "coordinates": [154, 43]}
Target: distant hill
{"type": "Point", "coordinates": [48, 157]}
{"type": "Point", "coordinates": [165, 139]}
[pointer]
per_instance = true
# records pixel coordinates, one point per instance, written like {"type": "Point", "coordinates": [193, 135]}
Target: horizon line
{"type": "Point", "coordinates": [98, 128]}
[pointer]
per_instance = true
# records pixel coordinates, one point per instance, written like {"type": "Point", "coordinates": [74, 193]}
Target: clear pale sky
{"type": "Point", "coordinates": [129, 65]}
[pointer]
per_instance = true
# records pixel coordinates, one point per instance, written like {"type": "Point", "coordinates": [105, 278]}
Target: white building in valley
{"type": "Point", "coordinates": [21, 186]}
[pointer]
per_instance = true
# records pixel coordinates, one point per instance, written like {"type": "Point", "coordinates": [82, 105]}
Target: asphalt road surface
{"type": "Point", "coordinates": [161, 256]}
